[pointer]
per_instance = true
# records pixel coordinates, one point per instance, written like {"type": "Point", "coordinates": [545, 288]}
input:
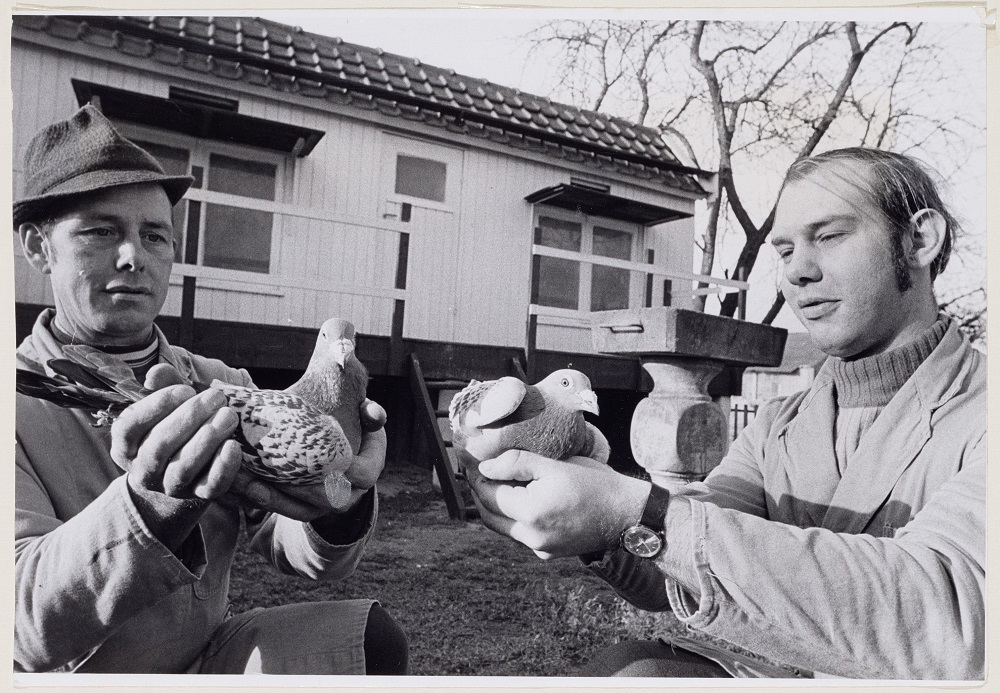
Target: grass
{"type": "Point", "coordinates": [471, 602]}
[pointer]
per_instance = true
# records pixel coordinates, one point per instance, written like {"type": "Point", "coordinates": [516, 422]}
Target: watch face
{"type": "Point", "coordinates": [642, 541]}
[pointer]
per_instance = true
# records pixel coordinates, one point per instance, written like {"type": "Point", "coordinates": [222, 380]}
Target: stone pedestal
{"type": "Point", "coordinates": [678, 433]}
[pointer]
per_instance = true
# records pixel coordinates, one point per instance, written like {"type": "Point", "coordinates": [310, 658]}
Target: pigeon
{"type": "Point", "coordinates": [489, 418]}
{"type": "Point", "coordinates": [310, 431]}
{"type": "Point", "coordinates": [307, 433]}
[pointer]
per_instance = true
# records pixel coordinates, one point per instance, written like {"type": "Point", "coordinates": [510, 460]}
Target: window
{"type": "Point", "coordinates": [576, 280]}
{"type": "Point", "coordinates": [227, 217]}
{"type": "Point", "coordinates": [421, 178]}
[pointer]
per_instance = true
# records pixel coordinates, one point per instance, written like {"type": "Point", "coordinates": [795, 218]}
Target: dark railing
{"type": "Point", "coordinates": [740, 416]}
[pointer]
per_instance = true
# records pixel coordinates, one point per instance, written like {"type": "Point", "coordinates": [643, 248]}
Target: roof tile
{"type": "Point", "coordinates": [168, 55]}
{"type": "Point", "coordinates": [65, 28]}
{"type": "Point", "coordinates": [141, 48]}
{"type": "Point", "coordinates": [336, 64]}
{"type": "Point", "coordinates": [199, 62]}
{"type": "Point", "coordinates": [96, 36]}
{"type": "Point", "coordinates": [230, 24]}
{"type": "Point", "coordinates": [227, 69]}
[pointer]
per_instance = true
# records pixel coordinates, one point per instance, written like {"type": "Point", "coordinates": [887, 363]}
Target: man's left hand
{"type": "Point", "coordinates": [566, 507]}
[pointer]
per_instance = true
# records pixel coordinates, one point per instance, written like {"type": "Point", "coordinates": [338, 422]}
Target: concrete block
{"type": "Point", "coordinates": [682, 332]}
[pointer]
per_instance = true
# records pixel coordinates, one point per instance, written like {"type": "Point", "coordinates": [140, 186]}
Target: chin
{"type": "Point", "coordinates": [128, 329]}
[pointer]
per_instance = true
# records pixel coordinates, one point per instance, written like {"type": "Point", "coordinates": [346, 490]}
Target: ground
{"type": "Point", "coordinates": [471, 602]}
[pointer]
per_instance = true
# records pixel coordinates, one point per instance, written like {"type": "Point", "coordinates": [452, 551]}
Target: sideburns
{"type": "Point", "coordinates": [900, 262]}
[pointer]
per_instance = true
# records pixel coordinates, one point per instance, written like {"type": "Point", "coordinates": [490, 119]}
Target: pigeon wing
{"type": "Point", "coordinates": [286, 439]}
{"type": "Point", "coordinates": [107, 367]}
{"type": "Point", "coordinates": [484, 403]}
{"type": "Point", "coordinates": [67, 394]}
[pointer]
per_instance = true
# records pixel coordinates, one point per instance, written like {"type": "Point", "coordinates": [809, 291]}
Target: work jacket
{"type": "Point", "coordinates": [878, 573]}
{"type": "Point", "coordinates": [95, 590]}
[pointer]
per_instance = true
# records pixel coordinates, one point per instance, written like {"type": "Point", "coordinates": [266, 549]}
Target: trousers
{"type": "Point", "coordinates": [651, 658]}
{"type": "Point", "coordinates": [309, 638]}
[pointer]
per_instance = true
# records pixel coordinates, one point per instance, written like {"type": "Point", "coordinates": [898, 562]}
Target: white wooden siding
{"type": "Point", "coordinates": [469, 266]}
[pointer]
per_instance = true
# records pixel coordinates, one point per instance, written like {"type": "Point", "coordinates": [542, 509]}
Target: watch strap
{"type": "Point", "coordinates": [656, 508]}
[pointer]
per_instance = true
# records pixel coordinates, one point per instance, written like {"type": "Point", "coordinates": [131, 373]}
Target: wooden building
{"type": "Point", "coordinates": [459, 221]}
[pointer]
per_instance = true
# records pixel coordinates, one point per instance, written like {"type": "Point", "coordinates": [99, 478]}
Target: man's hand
{"type": "Point", "coordinates": [566, 507]}
{"type": "Point", "coordinates": [176, 449]}
{"type": "Point", "coordinates": [309, 502]}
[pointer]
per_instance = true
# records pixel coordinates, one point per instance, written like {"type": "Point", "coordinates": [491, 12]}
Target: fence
{"type": "Point", "coordinates": [740, 416]}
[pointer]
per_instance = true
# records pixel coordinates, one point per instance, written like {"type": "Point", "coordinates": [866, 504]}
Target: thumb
{"type": "Point", "coordinates": [514, 465]}
{"type": "Point", "coordinates": [163, 375]}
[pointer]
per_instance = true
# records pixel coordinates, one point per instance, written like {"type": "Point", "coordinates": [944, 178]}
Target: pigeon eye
{"type": "Point", "coordinates": [564, 382]}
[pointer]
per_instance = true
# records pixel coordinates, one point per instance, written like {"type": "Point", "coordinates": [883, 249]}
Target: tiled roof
{"type": "Point", "coordinates": [286, 58]}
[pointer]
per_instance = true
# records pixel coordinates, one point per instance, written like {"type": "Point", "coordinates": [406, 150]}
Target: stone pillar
{"type": "Point", "coordinates": [678, 433]}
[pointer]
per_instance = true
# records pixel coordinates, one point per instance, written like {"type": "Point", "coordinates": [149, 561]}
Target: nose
{"type": "Point", "coordinates": [802, 268]}
{"type": "Point", "coordinates": [131, 255]}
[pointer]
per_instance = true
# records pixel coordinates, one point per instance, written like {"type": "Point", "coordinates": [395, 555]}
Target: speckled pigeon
{"type": "Point", "coordinates": [305, 434]}
{"type": "Point", "coordinates": [489, 418]}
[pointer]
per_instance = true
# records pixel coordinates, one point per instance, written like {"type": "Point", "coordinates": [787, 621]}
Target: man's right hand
{"type": "Point", "coordinates": [177, 449]}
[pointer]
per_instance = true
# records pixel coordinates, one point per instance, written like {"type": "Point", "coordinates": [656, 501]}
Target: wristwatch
{"type": "Point", "coordinates": [646, 539]}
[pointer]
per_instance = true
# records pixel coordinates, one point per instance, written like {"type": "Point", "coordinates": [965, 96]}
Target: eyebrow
{"type": "Point", "coordinates": [106, 217]}
{"type": "Point", "coordinates": [818, 224]}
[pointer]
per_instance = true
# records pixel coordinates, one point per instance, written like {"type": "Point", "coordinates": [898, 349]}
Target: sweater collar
{"type": "Point", "coordinates": [873, 381]}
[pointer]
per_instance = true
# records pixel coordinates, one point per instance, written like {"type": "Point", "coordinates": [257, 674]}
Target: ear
{"type": "Point", "coordinates": [36, 247]}
{"type": "Point", "coordinates": [927, 234]}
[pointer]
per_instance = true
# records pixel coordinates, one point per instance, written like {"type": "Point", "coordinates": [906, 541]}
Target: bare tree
{"type": "Point", "coordinates": [773, 92]}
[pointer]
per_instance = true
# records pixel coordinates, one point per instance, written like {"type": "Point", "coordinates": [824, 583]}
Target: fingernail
{"type": "Point", "coordinates": [223, 419]}
{"type": "Point", "coordinates": [216, 398]}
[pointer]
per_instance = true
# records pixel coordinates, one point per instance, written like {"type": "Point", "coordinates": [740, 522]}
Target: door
{"type": "Point", "coordinates": [422, 184]}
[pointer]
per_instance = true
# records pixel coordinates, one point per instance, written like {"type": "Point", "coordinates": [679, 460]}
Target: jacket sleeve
{"type": "Point", "coordinates": [736, 483]}
{"type": "Point", "coordinates": [296, 548]}
{"type": "Point", "coordinates": [78, 581]}
{"type": "Point", "coordinates": [910, 606]}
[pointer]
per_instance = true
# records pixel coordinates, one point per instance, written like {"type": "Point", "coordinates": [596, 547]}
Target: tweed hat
{"type": "Point", "coordinates": [85, 154]}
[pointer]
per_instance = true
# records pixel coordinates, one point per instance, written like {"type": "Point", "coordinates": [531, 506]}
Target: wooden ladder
{"type": "Point", "coordinates": [427, 416]}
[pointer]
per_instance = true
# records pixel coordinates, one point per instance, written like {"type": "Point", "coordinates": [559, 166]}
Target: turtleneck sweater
{"type": "Point", "coordinates": [140, 358]}
{"type": "Point", "coordinates": [865, 386]}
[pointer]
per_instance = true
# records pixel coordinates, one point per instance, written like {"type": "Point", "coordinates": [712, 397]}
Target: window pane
{"type": "Point", "coordinates": [612, 243]}
{"type": "Point", "coordinates": [241, 177]}
{"type": "Point", "coordinates": [237, 238]}
{"type": "Point", "coordinates": [556, 233]}
{"type": "Point", "coordinates": [558, 282]}
{"type": "Point", "coordinates": [174, 161]}
{"type": "Point", "coordinates": [609, 288]}
{"type": "Point", "coordinates": [421, 177]}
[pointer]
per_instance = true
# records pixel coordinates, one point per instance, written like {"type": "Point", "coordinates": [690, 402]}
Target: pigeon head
{"type": "Point", "coordinates": [336, 341]}
{"type": "Point", "coordinates": [572, 389]}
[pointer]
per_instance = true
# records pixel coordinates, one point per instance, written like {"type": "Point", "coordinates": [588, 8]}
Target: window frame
{"type": "Point", "coordinates": [200, 151]}
{"type": "Point", "coordinates": [453, 158]}
{"type": "Point", "coordinates": [585, 256]}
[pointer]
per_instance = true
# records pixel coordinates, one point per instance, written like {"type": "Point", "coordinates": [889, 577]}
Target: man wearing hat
{"type": "Point", "coordinates": [114, 573]}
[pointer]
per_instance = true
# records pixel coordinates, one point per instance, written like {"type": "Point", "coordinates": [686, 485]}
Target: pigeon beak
{"type": "Point", "coordinates": [342, 348]}
{"type": "Point", "coordinates": [589, 400]}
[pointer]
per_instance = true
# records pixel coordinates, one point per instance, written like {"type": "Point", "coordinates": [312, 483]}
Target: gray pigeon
{"type": "Point", "coordinates": [489, 418]}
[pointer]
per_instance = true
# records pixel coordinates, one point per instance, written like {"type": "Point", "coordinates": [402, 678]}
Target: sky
{"type": "Point", "coordinates": [494, 44]}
